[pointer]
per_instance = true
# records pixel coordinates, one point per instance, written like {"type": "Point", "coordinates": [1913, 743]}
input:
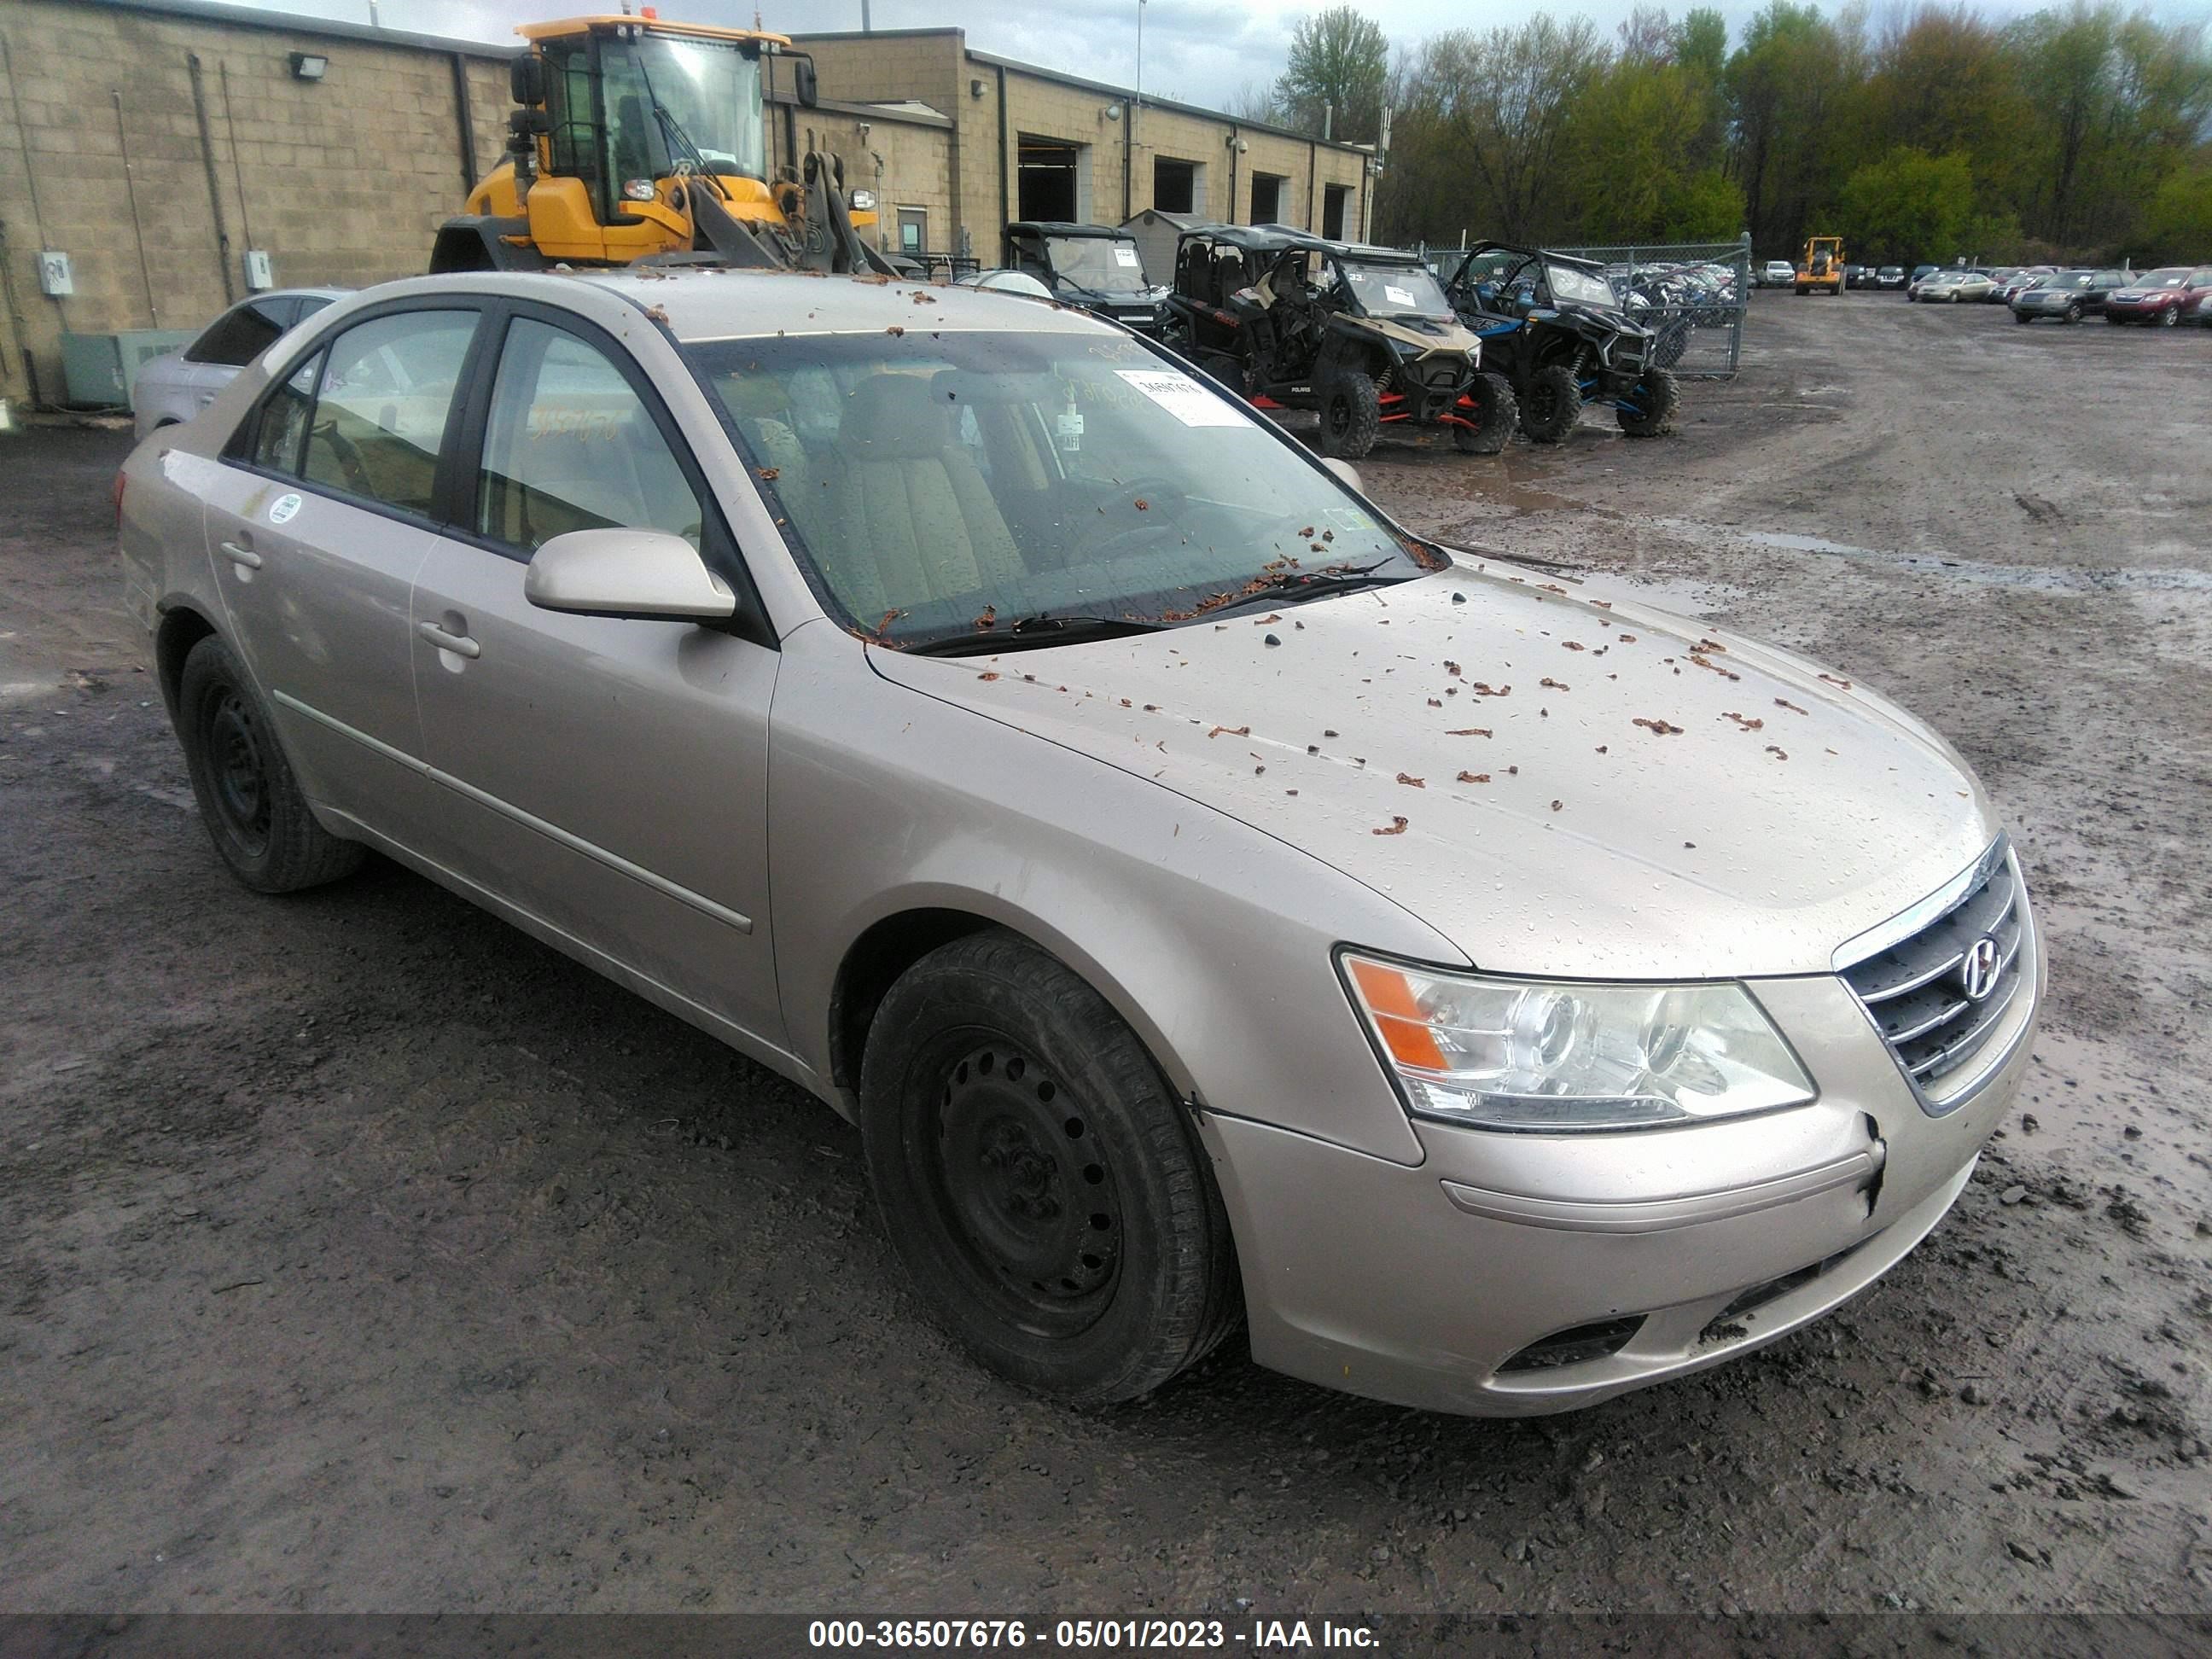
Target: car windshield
{"type": "Point", "coordinates": [939, 486]}
{"type": "Point", "coordinates": [1101, 263]}
{"type": "Point", "coordinates": [712, 91]}
{"type": "Point", "coordinates": [2172, 276]}
{"type": "Point", "coordinates": [1394, 290]}
{"type": "Point", "coordinates": [1571, 285]}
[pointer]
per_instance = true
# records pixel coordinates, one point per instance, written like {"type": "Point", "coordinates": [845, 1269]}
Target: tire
{"type": "Point", "coordinates": [2168, 318]}
{"type": "Point", "coordinates": [1657, 396]}
{"type": "Point", "coordinates": [1038, 1178]}
{"type": "Point", "coordinates": [2021, 318]}
{"type": "Point", "coordinates": [1494, 415]}
{"type": "Point", "coordinates": [2113, 320]}
{"type": "Point", "coordinates": [1553, 406]}
{"type": "Point", "coordinates": [2073, 312]}
{"type": "Point", "coordinates": [1350, 414]}
{"type": "Point", "coordinates": [249, 797]}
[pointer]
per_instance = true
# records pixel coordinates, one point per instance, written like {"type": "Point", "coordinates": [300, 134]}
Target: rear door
{"type": "Point", "coordinates": [609, 778]}
{"type": "Point", "coordinates": [317, 521]}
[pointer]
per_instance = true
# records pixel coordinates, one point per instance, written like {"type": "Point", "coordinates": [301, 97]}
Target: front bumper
{"type": "Point", "coordinates": [1513, 1275]}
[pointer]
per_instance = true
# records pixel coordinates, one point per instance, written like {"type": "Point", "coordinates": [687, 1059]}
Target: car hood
{"type": "Point", "coordinates": [1560, 780]}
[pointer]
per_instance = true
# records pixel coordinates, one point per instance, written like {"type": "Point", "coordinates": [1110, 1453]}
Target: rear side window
{"type": "Point", "coordinates": [284, 419]}
{"type": "Point", "coordinates": [242, 333]}
{"type": "Point", "coordinates": [379, 413]}
{"type": "Point", "coordinates": [569, 444]}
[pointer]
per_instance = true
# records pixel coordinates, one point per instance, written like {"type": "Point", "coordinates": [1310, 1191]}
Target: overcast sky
{"type": "Point", "coordinates": [1201, 51]}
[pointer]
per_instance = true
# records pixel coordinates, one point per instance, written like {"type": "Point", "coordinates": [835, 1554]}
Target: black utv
{"type": "Point", "coordinates": [1362, 335]}
{"type": "Point", "coordinates": [1556, 329]}
{"type": "Point", "coordinates": [1090, 266]}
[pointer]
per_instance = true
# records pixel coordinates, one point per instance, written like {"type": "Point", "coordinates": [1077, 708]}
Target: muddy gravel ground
{"type": "Point", "coordinates": [357, 1253]}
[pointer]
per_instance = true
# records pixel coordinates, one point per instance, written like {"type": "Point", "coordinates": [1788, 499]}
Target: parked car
{"type": "Point", "coordinates": [2066, 296]}
{"type": "Point", "coordinates": [1889, 278]}
{"type": "Point", "coordinates": [1854, 274]}
{"type": "Point", "coordinates": [2163, 296]}
{"type": "Point", "coordinates": [1778, 273]}
{"type": "Point", "coordinates": [1919, 271]}
{"type": "Point", "coordinates": [2019, 282]}
{"type": "Point", "coordinates": [1040, 806]}
{"type": "Point", "coordinates": [1939, 287]}
{"type": "Point", "coordinates": [177, 385]}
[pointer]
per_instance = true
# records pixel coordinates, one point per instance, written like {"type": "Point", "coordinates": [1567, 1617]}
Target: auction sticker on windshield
{"type": "Point", "coordinates": [1397, 296]}
{"type": "Point", "coordinates": [1182, 397]}
{"type": "Point", "coordinates": [1126, 256]}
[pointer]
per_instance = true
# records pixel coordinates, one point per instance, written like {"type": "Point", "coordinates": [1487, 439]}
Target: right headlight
{"type": "Point", "coordinates": [1553, 1056]}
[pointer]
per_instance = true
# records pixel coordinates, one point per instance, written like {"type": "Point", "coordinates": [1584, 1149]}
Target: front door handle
{"type": "Point", "coordinates": [241, 555]}
{"type": "Point", "coordinates": [460, 644]}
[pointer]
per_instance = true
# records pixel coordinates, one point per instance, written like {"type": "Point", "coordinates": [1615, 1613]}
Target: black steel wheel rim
{"type": "Point", "coordinates": [239, 770]}
{"type": "Point", "coordinates": [1340, 414]}
{"type": "Point", "coordinates": [1027, 1193]}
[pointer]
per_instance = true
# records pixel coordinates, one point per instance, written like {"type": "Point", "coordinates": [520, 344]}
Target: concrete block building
{"type": "Point", "coordinates": [154, 144]}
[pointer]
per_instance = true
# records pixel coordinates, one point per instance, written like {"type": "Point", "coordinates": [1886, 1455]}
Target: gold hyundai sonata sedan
{"type": "Point", "coordinates": [1219, 908]}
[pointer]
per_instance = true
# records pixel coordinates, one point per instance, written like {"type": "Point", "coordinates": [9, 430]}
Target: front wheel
{"type": "Point", "coordinates": [1488, 412]}
{"type": "Point", "coordinates": [1553, 406]}
{"type": "Point", "coordinates": [1648, 410]}
{"type": "Point", "coordinates": [248, 796]}
{"type": "Point", "coordinates": [2073, 312]}
{"type": "Point", "coordinates": [1039, 1178]}
{"type": "Point", "coordinates": [2168, 318]}
{"type": "Point", "coordinates": [2021, 317]}
{"type": "Point", "coordinates": [1350, 416]}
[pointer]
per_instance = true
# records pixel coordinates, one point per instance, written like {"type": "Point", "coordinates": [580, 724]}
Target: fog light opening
{"type": "Point", "coordinates": [1576, 1347]}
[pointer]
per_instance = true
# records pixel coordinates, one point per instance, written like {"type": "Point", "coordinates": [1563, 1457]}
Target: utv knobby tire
{"type": "Point", "coordinates": [1553, 405]}
{"type": "Point", "coordinates": [249, 797]}
{"type": "Point", "coordinates": [1656, 396]}
{"type": "Point", "coordinates": [1011, 1120]}
{"type": "Point", "coordinates": [1350, 416]}
{"type": "Point", "coordinates": [1493, 416]}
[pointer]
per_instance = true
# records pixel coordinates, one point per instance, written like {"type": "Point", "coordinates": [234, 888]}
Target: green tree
{"type": "Point", "coordinates": [1340, 60]}
{"type": "Point", "coordinates": [2178, 226]}
{"type": "Point", "coordinates": [1908, 205]}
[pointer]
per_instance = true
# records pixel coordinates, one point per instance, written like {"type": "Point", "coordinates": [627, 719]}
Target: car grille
{"type": "Point", "coordinates": [1915, 990]}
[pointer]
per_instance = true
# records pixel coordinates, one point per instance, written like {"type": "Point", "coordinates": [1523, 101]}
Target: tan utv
{"type": "Point", "coordinates": [1363, 336]}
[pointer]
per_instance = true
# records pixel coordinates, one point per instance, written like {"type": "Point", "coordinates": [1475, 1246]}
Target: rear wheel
{"type": "Point", "coordinates": [1553, 406]}
{"type": "Point", "coordinates": [248, 797]}
{"type": "Point", "coordinates": [1039, 1178]}
{"type": "Point", "coordinates": [1648, 411]}
{"type": "Point", "coordinates": [1350, 414]}
{"type": "Point", "coordinates": [1490, 407]}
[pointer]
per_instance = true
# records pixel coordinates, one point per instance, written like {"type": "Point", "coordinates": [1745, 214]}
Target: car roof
{"type": "Point", "coordinates": [719, 302]}
{"type": "Point", "coordinates": [1067, 228]}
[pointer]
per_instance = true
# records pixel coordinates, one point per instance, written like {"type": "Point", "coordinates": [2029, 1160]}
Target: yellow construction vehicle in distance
{"type": "Point", "coordinates": [1821, 266]}
{"type": "Point", "coordinates": [639, 139]}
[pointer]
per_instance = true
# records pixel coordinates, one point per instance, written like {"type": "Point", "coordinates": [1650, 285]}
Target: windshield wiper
{"type": "Point", "coordinates": [1302, 585]}
{"type": "Point", "coordinates": [1043, 628]}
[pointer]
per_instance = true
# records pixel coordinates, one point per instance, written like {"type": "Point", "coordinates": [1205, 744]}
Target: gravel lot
{"type": "Point", "coordinates": [357, 1253]}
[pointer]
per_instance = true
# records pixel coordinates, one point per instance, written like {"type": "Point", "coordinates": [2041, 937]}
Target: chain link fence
{"type": "Point", "coordinates": [1692, 295]}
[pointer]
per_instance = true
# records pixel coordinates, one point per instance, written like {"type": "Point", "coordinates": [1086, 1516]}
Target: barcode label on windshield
{"type": "Point", "coordinates": [1182, 397]}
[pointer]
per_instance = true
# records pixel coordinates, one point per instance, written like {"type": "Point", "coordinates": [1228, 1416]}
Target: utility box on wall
{"type": "Point", "coordinates": [102, 370]}
{"type": "Point", "coordinates": [259, 274]}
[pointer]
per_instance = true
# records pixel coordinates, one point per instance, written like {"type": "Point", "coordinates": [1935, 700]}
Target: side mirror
{"type": "Point", "coordinates": [626, 573]}
{"type": "Point", "coordinates": [804, 83]}
{"type": "Point", "coordinates": [526, 79]}
{"type": "Point", "coordinates": [1346, 474]}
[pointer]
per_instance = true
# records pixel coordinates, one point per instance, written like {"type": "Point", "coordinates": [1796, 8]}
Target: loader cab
{"type": "Point", "coordinates": [628, 106]}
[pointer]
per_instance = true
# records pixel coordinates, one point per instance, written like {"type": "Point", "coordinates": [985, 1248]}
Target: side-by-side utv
{"type": "Point", "coordinates": [1363, 336]}
{"type": "Point", "coordinates": [1555, 328]}
{"type": "Point", "coordinates": [1091, 266]}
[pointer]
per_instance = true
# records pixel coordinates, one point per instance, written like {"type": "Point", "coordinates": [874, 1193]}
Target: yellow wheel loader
{"type": "Point", "coordinates": [639, 139]}
{"type": "Point", "coordinates": [1820, 267]}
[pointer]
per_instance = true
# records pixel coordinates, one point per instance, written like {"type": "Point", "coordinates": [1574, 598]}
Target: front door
{"type": "Point", "coordinates": [317, 520]}
{"type": "Point", "coordinates": [607, 777]}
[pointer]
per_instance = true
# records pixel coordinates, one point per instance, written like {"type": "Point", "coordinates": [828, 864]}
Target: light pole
{"type": "Point", "coordinates": [1129, 128]}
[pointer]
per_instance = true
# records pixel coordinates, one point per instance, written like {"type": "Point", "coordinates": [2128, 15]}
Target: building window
{"type": "Point", "coordinates": [913, 229]}
{"type": "Point", "coordinates": [1332, 200]}
{"type": "Point", "coordinates": [1175, 185]}
{"type": "Point", "coordinates": [1267, 198]}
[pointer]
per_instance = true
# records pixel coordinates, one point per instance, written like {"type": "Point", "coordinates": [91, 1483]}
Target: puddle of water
{"type": "Point", "coordinates": [2035, 579]}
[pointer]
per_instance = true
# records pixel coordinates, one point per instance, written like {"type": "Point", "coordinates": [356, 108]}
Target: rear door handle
{"type": "Point", "coordinates": [241, 555]}
{"type": "Point", "coordinates": [460, 644]}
